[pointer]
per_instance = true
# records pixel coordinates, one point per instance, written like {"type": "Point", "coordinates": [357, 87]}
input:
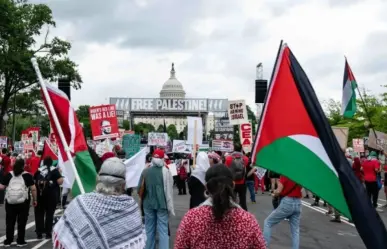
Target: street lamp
{"type": "Point", "coordinates": [5, 118]}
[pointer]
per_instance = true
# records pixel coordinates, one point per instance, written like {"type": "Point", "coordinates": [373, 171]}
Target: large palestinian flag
{"type": "Point", "coordinates": [348, 101]}
{"type": "Point", "coordinates": [295, 140]}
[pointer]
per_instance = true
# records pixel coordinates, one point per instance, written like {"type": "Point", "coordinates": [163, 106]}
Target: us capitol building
{"type": "Point", "coordinates": [173, 89]}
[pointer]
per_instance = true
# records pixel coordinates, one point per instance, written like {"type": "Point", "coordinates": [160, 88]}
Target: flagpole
{"type": "Point", "coordinates": [362, 101]}
{"type": "Point", "coordinates": [57, 124]}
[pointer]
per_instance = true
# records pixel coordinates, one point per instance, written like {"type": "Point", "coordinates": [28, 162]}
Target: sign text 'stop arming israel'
{"type": "Point", "coordinates": [157, 139]}
{"type": "Point", "coordinates": [170, 105]}
{"type": "Point", "coordinates": [237, 112]}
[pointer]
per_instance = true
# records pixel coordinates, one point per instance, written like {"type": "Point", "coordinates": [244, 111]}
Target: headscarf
{"type": "Point", "coordinates": [202, 165]}
{"type": "Point", "coordinates": [373, 156]}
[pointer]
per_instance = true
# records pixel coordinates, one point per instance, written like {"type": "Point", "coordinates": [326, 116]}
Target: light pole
{"type": "Point", "coordinates": [5, 118]}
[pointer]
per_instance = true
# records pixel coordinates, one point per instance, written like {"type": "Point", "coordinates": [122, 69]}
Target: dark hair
{"type": "Point", "coordinates": [47, 161]}
{"type": "Point", "coordinates": [18, 167]}
{"type": "Point", "coordinates": [220, 186]}
{"type": "Point", "coordinates": [4, 150]}
{"type": "Point", "coordinates": [40, 153]}
{"type": "Point", "coordinates": [237, 147]}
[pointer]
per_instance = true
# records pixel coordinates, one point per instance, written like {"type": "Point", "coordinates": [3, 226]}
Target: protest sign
{"type": "Point", "coordinates": [157, 139]}
{"type": "Point", "coordinates": [358, 145]}
{"type": "Point", "coordinates": [131, 144]}
{"type": "Point", "coordinates": [103, 122]}
{"type": "Point", "coordinates": [246, 136]}
{"type": "Point", "coordinates": [237, 112]}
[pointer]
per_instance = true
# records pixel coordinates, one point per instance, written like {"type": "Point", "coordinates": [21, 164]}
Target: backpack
{"type": "Point", "coordinates": [237, 166]}
{"type": "Point", "coordinates": [17, 191]}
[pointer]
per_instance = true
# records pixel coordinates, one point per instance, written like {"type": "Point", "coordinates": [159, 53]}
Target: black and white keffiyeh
{"type": "Point", "coordinates": [98, 221]}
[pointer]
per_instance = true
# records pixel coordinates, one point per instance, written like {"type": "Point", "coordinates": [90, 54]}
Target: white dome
{"type": "Point", "coordinates": [172, 88]}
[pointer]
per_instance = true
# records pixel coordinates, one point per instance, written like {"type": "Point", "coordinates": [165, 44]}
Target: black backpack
{"type": "Point", "coordinates": [237, 166]}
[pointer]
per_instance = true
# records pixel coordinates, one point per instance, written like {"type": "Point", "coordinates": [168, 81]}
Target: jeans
{"type": "Point", "coordinates": [373, 192]}
{"type": "Point", "coordinates": [289, 208]}
{"type": "Point", "coordinates": [159, 217]}
{"type": "Point", "coordinates": [250, 186]}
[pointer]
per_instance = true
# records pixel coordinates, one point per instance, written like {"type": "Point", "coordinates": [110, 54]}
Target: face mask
{"type": "Point", "coordinates": [158, 161]}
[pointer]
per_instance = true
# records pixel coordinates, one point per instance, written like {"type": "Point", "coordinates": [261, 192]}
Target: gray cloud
{"type": "Point", "coordinates": [374, 54]}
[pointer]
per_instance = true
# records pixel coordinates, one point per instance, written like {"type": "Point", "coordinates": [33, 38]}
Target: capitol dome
{"type": "Point", "coordinates": [172, 88]}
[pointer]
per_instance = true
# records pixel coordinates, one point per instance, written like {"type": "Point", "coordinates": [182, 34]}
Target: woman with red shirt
{"type": "Point", "coordinates": [219, 222]}
{"type": "Point", "coordinates": [356, 167]}
{"type": "Point", "coordinates": [371, 167]}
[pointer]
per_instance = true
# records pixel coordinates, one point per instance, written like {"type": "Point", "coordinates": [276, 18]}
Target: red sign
{"type": "Point", "coordinates": [103, 122]}
{"type": "Point", "coordinates": [358, 145]}
{"type": "Point", "coordinates": [246, 136]}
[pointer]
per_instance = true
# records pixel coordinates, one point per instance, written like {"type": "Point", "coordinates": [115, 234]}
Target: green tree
{"type": "Point", "coordinates": [21, 24]}
{"type": "Point", "coordinates": [126, 124]}
{"type": "Point", "coordinates": [252, 118]}
{"type": "Point", "coordinates": [143, 128]}
{"type": "Point", "coordinates": [160, 128]}
{"type": "Point", "coordinates": [183, 134]}
{"type": "Point", "coordinates": [172, 132]}
{"type": "Point", "coordinates": [84, 118]}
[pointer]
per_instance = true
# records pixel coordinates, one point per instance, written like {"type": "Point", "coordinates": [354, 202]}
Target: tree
{"type": "Point", "coordinates": [160, 128]}
{"type": "Point", "coordinates": [21, 24]}
{"type": "Point", "coordinates": [183, 135]}
{"type": "Point", "coordinates": [172, 132]}
{"type": "Point", "coordinates": [126, 124]}
{"type": "Point", "coordinates": [252, 118]}
{"type": "Point", "coordinates": [84, 118]}
{"type": "Point", "coordinates": [143, 128]}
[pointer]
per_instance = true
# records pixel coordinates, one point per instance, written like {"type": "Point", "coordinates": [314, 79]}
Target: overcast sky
{"type": "Point", "coordinates": [124, 48]}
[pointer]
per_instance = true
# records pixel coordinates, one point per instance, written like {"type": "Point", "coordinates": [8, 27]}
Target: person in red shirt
{"type": "Point", "coordinates": [240, 188]}
{"type": "Point", "coordinates": [6, 162]}
{"type": "Point", "coordinates": [370, 168]}
{"type": "Point", "coordinates": [33, 162]}
{"type": "Point", "coordinates": [289, 208]}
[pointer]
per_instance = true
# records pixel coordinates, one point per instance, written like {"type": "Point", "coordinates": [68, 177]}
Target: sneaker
{"type": "Point", "coordinates": [315, 204]}
{"type": "Point", "coordinates": [306, 197]}
{"type": "Point", "coordinates": [21, 244]}
{"type": "Point", "coordinates": [48, 236]}
{"type": "Point", "coordinates": [329, 213]}
{"type": "Point", "coordinates": [7, 243]}
{"type": "Point", "coordinates": [39, 236]}
{"type": "Point", "coordinates": [253, 202]}
{"type": "Point", "coordinates": [336, 220]}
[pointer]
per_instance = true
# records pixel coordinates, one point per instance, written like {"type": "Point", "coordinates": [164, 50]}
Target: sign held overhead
{"type": "Point", "coordinates": [237, 112]}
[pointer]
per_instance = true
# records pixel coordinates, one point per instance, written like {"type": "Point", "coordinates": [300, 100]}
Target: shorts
{"type": "Point", "coordinates": [273, 175]}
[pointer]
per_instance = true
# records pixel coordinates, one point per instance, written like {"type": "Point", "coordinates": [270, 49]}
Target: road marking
{"type": "Point", "coordinates": [41, 244]}
{"type": "Point", "coordinates": [343, 219]}
{"type": "Point", "coordinates": [382, 200]}
{"type": "Point", "coordinates": [28, 226]}
{"type": "Point", "coordinates": [28, 241]}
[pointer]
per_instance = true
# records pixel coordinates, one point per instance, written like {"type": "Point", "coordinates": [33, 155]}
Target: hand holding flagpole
{"type": "Point", "coordinates": [57, 124]}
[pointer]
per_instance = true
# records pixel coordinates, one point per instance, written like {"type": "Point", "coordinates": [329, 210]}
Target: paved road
{"type": "Point", "coordinates": [316, 230]}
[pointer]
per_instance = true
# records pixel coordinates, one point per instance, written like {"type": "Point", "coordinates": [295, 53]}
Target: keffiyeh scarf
{"type": "Point", "coordinates": [98, 221]}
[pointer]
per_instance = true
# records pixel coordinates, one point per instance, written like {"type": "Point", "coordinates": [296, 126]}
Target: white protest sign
{"type": "Point", "coordinates": [134, 167]}
{"type": "Point", "coordinates": [191, 130]}
{"type": "Point", "coordinates": [172, 169]}
{"type": "Point", "coordinates": [260, 172]}
{"type": "Point", "coordinates": [237, 112]}
{"type": "Point", "coordinates": [180, 146]}
{"type": "Point", "coordinates": [157, 139]}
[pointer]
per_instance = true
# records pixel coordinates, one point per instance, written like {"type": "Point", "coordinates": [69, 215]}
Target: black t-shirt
{"type": "Point", "coordinates": [47, 185]}
{"type": "Point", "coordinates": [251, 177]}
{"type": "Point", "coordinates": [27, 177]}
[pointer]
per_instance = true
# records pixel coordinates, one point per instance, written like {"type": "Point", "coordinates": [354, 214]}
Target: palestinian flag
{"type": "Point", "coordinates": [348, 101]}
{"type": "Point", "coordinates": [48, 152]}
{"type": "Point", "coordinates": [73, 133]}
{"type": "Point", "coordinates": [295, 140]}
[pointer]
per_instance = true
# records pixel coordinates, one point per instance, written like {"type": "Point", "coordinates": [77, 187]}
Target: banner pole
{"type": "Point", "coordinates": [57, 124]}
{"type": "Point", "coordinates": [194, 143]}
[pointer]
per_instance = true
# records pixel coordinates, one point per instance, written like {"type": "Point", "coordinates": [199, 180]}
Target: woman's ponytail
{"type": "Point", "coordinates": [220, 186]}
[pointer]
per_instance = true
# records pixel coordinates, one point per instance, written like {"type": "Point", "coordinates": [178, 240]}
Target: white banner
{"type": "Point", "coordinates": [180, 146]}
{"type": "Point", "coordinates": [237, 112]}
{"type": "Point", "coordinates": [134, 167]}
{"type": "Point", "coordinates": [191, 130]}
{"type": "Point", "coordinates": [260, 172]}
{"type": "Point", "coordinates": [222, 145]}
{"type": "Point", "coordinates": [157, 139]}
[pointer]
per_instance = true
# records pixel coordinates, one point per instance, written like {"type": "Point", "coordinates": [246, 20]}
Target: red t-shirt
{"type": "Point", "coordinates": [369, 167]}
{"type": "Point", "coordinates": [228, 162]}
{"type": "Point", "coordinates": [288, 185]}
{"type": "Point", "coordinates": [32, 165]}
{"type": "Point", "coordinates": [6, 162]}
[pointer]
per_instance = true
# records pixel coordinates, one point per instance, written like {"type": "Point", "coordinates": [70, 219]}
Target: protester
{"type": "Point", "coordinates": [214, 158]}
{"type": "Point", "coordinates": [47, 179]}
{"type": "Point", "coordinates": [157, 182]}
{"type": "Point", "coordinates": [32, 162]}
{"type": "Point", "coordinates": [219, 222]}
{"type": "Point", "coordinates": [289, 208]}
{"type": "Point", "coordinates": [107, 218]}
{"type": "Point", "coordinates": [371, 167]}
{"type": "Point", "coordinates": [17, 200]}
{"type": "Point", "coordinates": [237, 162]}
{"type": "Point", "coordinates": [250, 181]}
{"type": "Point", "coordinates": [356, 167]}
{"type": "Point", "coordinates": [182, 178]}
{"type": "Point", "coordinates": [196, 183]}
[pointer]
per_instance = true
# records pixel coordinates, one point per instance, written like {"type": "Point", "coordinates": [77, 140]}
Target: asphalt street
{"type": "Point", "coordinates": [316, 229]}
